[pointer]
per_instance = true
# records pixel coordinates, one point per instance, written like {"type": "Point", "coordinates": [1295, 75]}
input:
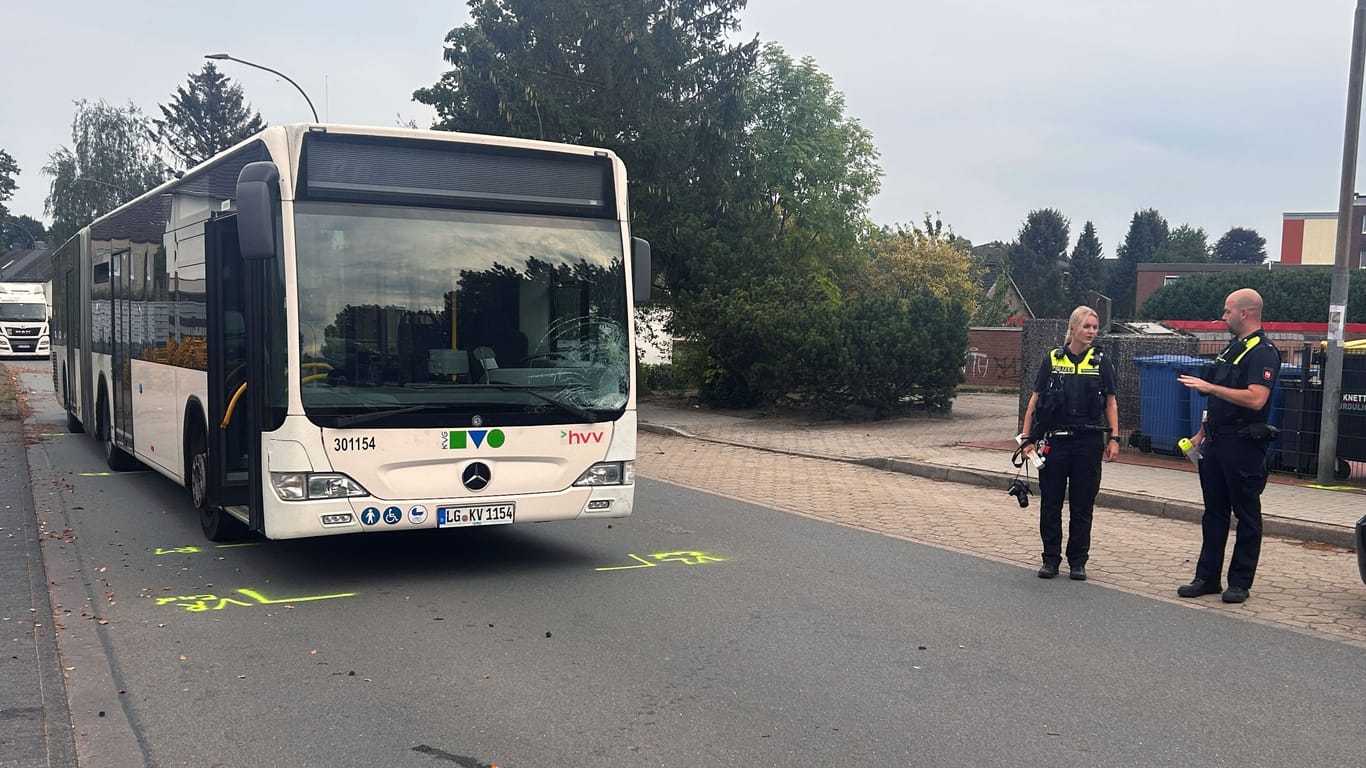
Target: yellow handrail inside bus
{"type": "Point", "coordinates": [227, 415]}
{"type": "Point", "coordinates": [312, 377]}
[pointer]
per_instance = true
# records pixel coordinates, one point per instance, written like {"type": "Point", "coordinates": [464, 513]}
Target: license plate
{"type": "Point", "coordinates": [467, 515]}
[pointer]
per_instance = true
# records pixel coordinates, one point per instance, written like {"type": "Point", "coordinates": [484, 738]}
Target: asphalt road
{"type": "Point", "coordinates": [701, 631]}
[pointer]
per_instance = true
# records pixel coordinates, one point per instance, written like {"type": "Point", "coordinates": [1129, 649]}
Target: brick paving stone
{"type": "Point", "coordinates": [1313, 589]}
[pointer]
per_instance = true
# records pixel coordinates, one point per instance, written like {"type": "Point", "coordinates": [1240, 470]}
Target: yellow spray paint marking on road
{"type": "Point", "coordinates": [194, 549]}
{"type": "Point", "coordinates": [200, 603]}
{"type": "Point", "coordinates": [686, 557]}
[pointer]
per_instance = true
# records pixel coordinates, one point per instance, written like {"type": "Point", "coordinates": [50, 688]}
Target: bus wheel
{"type": "Point", "coordinates": [216, 524]}
{"type": "Point", "coordinates": [117, 458]}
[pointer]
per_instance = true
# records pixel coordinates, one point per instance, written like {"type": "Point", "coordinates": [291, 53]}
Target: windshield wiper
{"type": "Point", "coordinates": [564, 405]}
{"type": "Point", "coordinates": [363, 418]}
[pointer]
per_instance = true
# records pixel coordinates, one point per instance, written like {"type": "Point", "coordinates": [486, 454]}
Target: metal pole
{"type": "Point", "coordinates": [1337, 299]}
{"type": "Point", "coordinates": [224, 56]}
{"type": "Point", "coordinates": [12, 223]}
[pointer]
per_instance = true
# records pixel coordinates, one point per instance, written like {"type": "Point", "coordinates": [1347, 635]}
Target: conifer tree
{"type": "Point", "coordinates": [205, 118]}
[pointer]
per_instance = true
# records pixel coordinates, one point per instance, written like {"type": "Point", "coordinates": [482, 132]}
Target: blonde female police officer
{"type": "Point", "coordinates": [1073, 418]}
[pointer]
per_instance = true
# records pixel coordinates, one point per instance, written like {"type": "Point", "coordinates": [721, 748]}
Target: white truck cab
{"type": "Point", "coordinates": [23, 320]}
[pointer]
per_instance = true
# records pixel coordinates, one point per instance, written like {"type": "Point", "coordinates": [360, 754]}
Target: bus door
{"type": "Point", "coordinates": [233, 391]}
{"type": "Point", "coordinates": [121, 368]}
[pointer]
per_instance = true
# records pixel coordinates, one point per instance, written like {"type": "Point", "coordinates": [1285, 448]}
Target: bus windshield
{"type": "Point", "coordinates": [414, 316]}
{"type": "Point", "coordinates": [29, 312]}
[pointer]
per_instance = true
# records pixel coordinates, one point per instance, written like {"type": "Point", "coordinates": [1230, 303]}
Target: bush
{"type": "Point", "coordinates": [1290, 296]}
{"type": "Point", "coordinates": [877, 353]}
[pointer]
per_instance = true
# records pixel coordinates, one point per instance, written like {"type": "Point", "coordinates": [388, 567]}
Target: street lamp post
{"type": "Point", "coordinates": [91, 180]}
{"type": "Point", "coordinates": [226, 57]}
{"type": "Point", "coordinates": [16, 225]}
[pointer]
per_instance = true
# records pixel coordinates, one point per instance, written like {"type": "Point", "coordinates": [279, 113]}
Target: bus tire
{"type": "Point", "coordinates": [117, 458]}
{"type": "Point", "coordinates": [216, 524]}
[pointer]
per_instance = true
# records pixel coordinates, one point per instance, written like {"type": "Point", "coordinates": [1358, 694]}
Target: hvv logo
{"type": "Point", "coordinates": [580, 438]}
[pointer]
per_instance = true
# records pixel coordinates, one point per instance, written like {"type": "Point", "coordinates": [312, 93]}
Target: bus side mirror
{"type": "Point", "coordinates": [258, 200]}
{"type": "Point", "coordinates": [640, 269]}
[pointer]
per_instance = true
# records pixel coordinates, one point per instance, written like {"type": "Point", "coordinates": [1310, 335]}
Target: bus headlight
{"type": "Point", "coordinates": [609, 473]}
{"type": "Point", "coordinates": [304, 486]}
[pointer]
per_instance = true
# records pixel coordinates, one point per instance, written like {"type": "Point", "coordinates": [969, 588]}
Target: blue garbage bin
{"type": "Point", "coordinates": [1164, 404]}
{"type": "Point", "coordinates": [1290, 374]}
{"type": "Point", "coordinates": [1196, 402]}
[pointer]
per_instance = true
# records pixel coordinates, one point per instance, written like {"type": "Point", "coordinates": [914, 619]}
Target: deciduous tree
{"type": "Point", "coordinates": [1184, 245]}
{"type": "Point", "coordinates": [9, 169]}
{"type": "Point", "coordinates": [657, 81]}
{"type": "Point", "coordinates": [111, 160]}
{"type": "Point", "coordinates": [1240, 245]}
{"type": "Point", "coordinates": [22, 231]}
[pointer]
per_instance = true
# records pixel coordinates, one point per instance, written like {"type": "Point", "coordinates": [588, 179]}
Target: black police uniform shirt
{"type": "Point", "coordinates": [1084, 417]}
{"type": "Point", "coordinates": [1252, 360]}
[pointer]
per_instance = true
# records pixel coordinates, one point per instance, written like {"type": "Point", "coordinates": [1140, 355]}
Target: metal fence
{"type": "Point", "coordinates": [1156, 411]}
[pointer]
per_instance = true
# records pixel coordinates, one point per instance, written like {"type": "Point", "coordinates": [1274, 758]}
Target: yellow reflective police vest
{"type": "Point", "coordinates": [1224, 372]}
{"type": "Point", "coordinates": [1074, 391]}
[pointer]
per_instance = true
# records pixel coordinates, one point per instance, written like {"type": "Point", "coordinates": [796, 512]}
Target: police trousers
{"type": "Point", "coordinates": [1232, 477]}
{"type": "Point", "coordinates": [1071, 469]}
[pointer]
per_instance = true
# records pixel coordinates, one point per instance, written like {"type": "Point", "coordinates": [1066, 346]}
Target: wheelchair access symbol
{"type": "Point", "coordinates": [393, 515]}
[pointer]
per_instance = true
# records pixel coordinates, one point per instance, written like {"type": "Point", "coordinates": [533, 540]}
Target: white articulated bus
{"type": "Point", "coordinates": [23, 320]}
{"type": "Point", "coordinates": [334, 329]}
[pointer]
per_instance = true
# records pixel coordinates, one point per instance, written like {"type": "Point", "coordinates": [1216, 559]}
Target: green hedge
{"type": "Point", "coordinates": [796, 347]}
{"type": "Point", "coordinates": [1289, 296]}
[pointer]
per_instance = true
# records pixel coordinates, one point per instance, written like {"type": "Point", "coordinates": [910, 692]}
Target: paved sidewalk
{"type": "Point", "coordinates": [35, 724]}
{"type": "Point", "coordinates": [974, 446]}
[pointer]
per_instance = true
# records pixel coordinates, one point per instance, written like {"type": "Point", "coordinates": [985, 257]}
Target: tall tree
{"type": "Point", "coordinates": [1240, 245]}
{"type": "Point", "coordinates": [1038, 258]}
{"type": "Point", "coordinates": [657, 81]}
{"type": "Point", "coordinates": [1184, 245]}
{"type": "Point", "coordinates": [111, 160]}
{"type": "Point", "coordinates": [8, 170]}
{"type": "Point", "coordinates": [1088, 272]}
{"type": "Point", "coordinates": [816, 166]}
{"type": "Point", "coordinates": [1147, 232]}
{"type": "Point", "coordinates": [205, 118]}
{"type": "Point", "coordinates": [22, 231]}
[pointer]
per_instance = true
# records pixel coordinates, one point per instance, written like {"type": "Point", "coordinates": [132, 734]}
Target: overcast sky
{"type": "Point", "coordinates": [1217, 113]}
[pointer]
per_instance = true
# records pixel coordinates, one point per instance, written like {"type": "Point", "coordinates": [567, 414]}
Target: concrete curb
{"type": "Point", "coordinates": [1147, 505]}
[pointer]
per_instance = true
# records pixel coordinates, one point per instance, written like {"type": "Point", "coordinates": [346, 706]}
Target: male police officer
{"type": "Point", "coordinates": [1234, 442]}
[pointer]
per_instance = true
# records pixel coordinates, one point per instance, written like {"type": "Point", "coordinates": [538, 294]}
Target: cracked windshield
{"type": "Point", "coordinates": [409, 314]}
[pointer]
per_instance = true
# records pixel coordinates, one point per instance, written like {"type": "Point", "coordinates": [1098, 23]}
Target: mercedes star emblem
{"type": "Point", "coordinates": [476, 476]}
{"type": "Point", "coordinates": [477, 421]}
